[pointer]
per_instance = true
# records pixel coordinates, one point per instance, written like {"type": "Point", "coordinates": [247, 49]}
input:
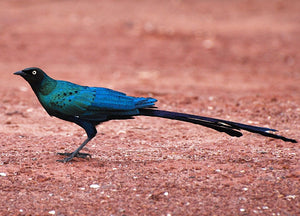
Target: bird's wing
{"type": "Point", "coordinates": [114, 104]}
{"type": "Point", "coordinates": [70, 99]}
{"type": "Point", "coordinates": [95, 102]}
{"type": "Point", "coordinates": [107, 99]}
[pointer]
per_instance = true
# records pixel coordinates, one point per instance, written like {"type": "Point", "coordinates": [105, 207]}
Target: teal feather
{"type": "Point", "coordinates": [92, 102]}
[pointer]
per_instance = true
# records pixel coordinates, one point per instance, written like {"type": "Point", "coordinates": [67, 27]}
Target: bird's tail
{"type": "Point", "coordinates": [229, 127]}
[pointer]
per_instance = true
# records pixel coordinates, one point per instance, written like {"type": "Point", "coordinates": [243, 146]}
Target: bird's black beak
{"type": "Point", "coordinates": [21, 73]}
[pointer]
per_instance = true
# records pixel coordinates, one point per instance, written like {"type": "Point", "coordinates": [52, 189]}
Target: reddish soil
{"type": "Point", "coordinates": [238, 60]}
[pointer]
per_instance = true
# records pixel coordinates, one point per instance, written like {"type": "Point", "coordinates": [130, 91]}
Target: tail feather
{"type": "Point", "coordinates": [229, 127]}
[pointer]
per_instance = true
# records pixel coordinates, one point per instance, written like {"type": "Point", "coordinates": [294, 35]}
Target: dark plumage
{"type": "Point", "coordinates": [90, 106]}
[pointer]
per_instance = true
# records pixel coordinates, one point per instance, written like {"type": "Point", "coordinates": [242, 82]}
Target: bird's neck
{"type": "Point", "coordinates": [45, 87]}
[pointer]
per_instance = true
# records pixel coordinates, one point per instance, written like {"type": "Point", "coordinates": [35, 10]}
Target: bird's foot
{"type": "Point", "coordinates": [71, 156]}
{"type": "Point", "coordinates": [79, 154]}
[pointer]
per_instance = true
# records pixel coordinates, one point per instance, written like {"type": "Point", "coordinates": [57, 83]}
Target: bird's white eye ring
{"type": "Point", "coordinates": [34, 72]}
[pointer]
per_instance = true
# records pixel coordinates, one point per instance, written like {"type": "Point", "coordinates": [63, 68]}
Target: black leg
{"type": "Point", "coordinates": [91, 132]}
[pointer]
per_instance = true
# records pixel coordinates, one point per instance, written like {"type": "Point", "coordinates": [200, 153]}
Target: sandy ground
{"type": "Point", "coordinates": [236, 60]}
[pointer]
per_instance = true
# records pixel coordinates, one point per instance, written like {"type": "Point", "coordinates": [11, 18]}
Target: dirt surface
{"type": "Point", "coordinates": [236, 60]}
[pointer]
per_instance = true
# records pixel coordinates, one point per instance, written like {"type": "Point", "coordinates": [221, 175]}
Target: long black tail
{"type": "Point", "coordinates": [229, 127]}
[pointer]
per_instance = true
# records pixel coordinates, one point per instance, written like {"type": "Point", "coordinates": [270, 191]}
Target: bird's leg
{"type": "Point", "coordinates": [91, 133]}
{"type": "Point", "coordinates": [76, 153]}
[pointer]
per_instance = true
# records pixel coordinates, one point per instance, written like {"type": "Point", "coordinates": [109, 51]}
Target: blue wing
{"type": "Point", "coordinates": [94, 103]}
{"type": "Point", "coordinates": [107, 99]}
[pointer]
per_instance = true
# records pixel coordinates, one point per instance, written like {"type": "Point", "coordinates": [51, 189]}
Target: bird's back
{"type": "Point", "coordinates": [91, 102]}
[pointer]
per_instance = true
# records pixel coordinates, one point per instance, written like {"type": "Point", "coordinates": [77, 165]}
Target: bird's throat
{"type": "Point", "coordinates": [45, 87]}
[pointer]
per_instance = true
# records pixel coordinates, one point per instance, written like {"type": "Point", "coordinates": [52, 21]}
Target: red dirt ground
{"type": "Point", "coordinates": [233, 59]}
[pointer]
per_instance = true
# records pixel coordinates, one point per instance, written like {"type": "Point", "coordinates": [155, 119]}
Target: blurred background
{"type": "Point", "coordinates": [158, 44]}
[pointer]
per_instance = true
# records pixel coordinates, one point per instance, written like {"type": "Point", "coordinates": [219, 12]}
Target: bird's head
{"type": "Point", "coordinates": [33, 75]}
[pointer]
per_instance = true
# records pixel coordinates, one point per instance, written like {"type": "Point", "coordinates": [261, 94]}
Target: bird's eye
{"type": "Point", "coordinates": [33, 72]}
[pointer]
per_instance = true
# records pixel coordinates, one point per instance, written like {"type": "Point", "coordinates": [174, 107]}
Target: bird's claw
{"type": "Point", "coordinates": [79, 154]}
{"type": "Point", "coordinates": [71, 156]}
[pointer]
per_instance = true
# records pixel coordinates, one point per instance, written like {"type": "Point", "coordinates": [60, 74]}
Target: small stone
{"type": "Point", "coordinates": [51, 212]}
{"type": "Point", "coordinates": [208, 44]}
{"type": "Point", "coordinates": [95, 186]}
{"type": "Point", "coordinates": [289, 197]}
{"type": "Point", "coordinates": [23, 89]}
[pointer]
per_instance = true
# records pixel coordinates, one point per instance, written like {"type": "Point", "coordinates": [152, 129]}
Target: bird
{"type": "Point", "coordinates": [90, 106]}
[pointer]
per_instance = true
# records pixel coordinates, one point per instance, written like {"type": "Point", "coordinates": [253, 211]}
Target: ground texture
{"type": "Point", "coordinates": [236, 60]}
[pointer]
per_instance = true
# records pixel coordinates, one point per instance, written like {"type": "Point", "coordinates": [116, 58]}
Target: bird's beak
{"type": "Point", "coordinates": [21, 73]}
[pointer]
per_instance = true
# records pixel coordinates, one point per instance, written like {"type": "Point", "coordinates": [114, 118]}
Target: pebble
{"type": "Point", "coordinates": [23, 89]}
{"type": "Point", "coordinates": [289, 197]}
{"type": "Point", "coordinates": [95, 186]}
{"type": "Point", "coordinates": [51, 212]}
{"type": "Point", "coordinates": [208, 44]}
